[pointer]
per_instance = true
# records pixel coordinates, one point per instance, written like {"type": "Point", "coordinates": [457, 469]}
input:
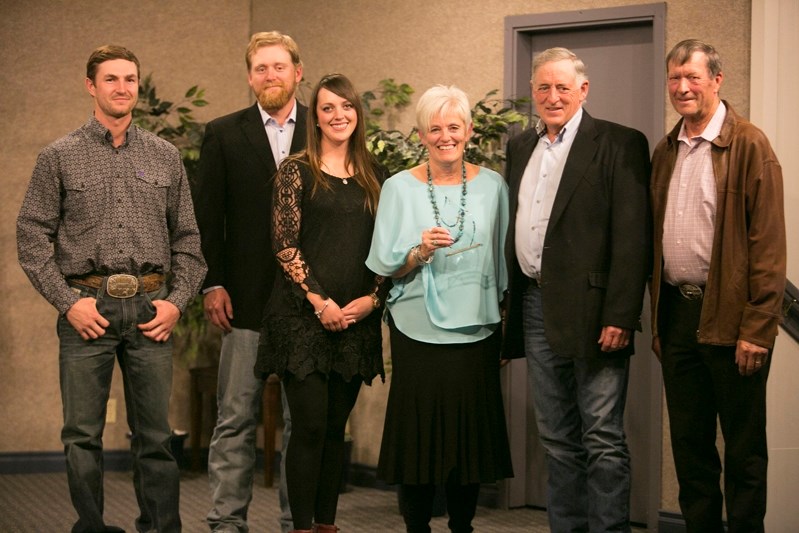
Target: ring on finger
{"type": "Point", "coordinates": [435, 242]}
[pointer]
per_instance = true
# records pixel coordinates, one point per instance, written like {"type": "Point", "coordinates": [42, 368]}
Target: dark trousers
{"type": "Point", "coordinates": [702, 384]}
{"type": "Point", "coordinates": [320, 406]}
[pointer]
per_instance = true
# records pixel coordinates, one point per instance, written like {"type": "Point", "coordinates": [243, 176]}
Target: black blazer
{"type": "Point", "coordinates": [597, 248]}
{"type": "Point", "coordinates": [232, 202]}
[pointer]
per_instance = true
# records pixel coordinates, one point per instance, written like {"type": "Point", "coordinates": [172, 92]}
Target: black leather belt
{"type": "Point", "coordinates": [120, 285]}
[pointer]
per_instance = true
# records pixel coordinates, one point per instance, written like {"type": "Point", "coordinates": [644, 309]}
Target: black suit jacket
{"type": "Point", "coordinates": [597, 247]}
{"type": "Point", "coordinates": [232, 202]}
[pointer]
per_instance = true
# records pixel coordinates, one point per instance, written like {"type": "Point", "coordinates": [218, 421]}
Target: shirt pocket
{"type": "Point", "coordinates": [153, 177]}
{"type": "Point", "coordinates": [82, 196]}
{"type": "Point", "coordinates": [151, 188]}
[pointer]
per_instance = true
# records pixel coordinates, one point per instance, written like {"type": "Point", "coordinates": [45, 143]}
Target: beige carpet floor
{"type": "Point", "coordinates": [39, 503]}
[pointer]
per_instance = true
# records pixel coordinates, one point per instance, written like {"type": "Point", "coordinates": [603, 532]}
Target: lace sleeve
{"type": "Point", "coordinates": [286, 225]}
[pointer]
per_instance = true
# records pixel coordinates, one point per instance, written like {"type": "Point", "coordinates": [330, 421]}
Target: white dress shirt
{"type": "Point", "coordinates": [537, 192]}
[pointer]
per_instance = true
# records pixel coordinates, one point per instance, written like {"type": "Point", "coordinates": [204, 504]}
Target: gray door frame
{"type": "Point", "coordinates": [525, 448]}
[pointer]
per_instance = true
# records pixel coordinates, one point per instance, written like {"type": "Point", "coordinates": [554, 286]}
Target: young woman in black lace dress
{"type": "Point", "coordinates": [321, 328]}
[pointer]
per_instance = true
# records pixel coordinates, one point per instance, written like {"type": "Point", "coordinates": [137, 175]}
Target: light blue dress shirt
{"type": "Point", "coordinates": [537, 192]}
{"type": "Point", "coordinates": [280, 137]}
{"type": "Point", "coordinates": [454, 299]}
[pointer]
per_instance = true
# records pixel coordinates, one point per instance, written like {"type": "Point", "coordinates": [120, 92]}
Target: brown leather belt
{"type": "Point", "coordinates": [121, 285]}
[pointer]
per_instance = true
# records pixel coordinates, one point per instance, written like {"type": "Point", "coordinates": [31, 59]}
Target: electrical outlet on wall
{"type": "Point", "coordinates": [111, 411]}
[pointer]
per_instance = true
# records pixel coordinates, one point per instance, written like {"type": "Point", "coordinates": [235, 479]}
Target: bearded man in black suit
{"type": "Point", "coordinates": [578, 254]}
{"type": "Point", "coordinates": [233, 197]}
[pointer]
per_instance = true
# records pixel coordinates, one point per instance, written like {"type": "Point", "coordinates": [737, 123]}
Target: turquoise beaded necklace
{"type": "Point", "coordinates": [461, 212]}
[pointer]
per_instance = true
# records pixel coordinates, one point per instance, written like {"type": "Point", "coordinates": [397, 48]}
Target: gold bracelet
{"type": "Point", "coordinates": [375, 301]}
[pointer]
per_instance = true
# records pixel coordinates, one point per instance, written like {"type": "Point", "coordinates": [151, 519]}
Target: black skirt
{"type": "Point", "coordinates": [444, 413]}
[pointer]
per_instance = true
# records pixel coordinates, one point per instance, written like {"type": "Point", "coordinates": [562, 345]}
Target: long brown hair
{"type": "Point", "coordinates": [363, 163]}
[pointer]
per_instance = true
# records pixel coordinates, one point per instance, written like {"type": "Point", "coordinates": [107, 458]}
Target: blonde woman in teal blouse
{"type": "Point", "coordinates": [440, 234]}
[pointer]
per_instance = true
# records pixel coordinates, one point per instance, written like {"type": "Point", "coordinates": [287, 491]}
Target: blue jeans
{"type": "Point", "coordinates": [579, 407]}
{"type": "Point", "coordinates": [231, 456]}
{"type": "Point", "coordinates": [86, 369]}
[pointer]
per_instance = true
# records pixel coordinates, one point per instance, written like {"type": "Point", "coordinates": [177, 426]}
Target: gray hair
{"type": "Point", "coordinates": [682, 52]}
{"type": "Point", "coordinates": [559, 54]}
{"type": "Point", "coordinates": [440, 100]}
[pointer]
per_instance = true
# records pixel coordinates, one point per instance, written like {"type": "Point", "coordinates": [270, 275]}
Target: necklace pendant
{"type": "Point", "coordinates": [344, 181]}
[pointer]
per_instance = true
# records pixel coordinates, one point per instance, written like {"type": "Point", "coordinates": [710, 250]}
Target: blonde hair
{"type": "Point", "coordinates": [272, 38]}
{"type": "Point", "coordinates": [440, 100]}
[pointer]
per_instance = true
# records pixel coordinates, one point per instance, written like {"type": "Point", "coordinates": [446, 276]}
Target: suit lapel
{"type": "Point", "coordinates": [298, 139]}
{"type": "Point", "coordinates": [255, 132]}
{"type": "Point", "coordinates": [580, 156]}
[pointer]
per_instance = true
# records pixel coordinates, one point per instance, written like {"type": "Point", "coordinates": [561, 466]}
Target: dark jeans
{"type": "Point", "coordinates": [702, 384]}
{"type": "Point", "coordinates": [86, 368]}
{"type": "Point", "coordinates": [579, 408]}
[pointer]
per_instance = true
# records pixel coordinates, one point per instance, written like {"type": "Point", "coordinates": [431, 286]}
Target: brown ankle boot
{"type": "Point", "coordinates": [325, 528]}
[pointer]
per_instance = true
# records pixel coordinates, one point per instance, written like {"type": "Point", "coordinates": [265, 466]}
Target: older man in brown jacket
{"type": "Point", "coordinates": [719, 276]}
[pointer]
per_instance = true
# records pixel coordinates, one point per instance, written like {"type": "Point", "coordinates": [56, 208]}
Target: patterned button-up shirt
{"type": "Point", "coordinates": [95, 208]}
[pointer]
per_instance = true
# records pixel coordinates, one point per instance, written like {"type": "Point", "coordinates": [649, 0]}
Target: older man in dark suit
{"type": "Point", "coordinates": [233, 196]}
{"type": "Point", "coordinates": [578, 253]}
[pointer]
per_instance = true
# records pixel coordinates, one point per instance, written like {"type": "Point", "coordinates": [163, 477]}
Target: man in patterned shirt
{"type": "Point", "coordinates": [107, 235]}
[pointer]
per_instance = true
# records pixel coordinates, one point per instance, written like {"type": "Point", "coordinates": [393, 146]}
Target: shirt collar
{"type": "Point", "coordinates": [266, 117]}
{"type": "Point", "coordinates": [96, 128]}
{"type": "Point", "coordinates": [713, 128]}
{"type": "Point", "coordinates": [568, 131]}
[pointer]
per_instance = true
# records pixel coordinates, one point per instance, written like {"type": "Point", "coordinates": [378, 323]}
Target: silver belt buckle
{"type": "Point", "coordinates": [122, 286]}
{"type": "Point", "coordinates": [690, 291]}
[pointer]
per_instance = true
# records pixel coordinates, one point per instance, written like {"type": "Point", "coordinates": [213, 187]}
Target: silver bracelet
{"type": "Point", "coordinates": [417, 254]}
{"type": "Point", "coordinates": [322, 310]}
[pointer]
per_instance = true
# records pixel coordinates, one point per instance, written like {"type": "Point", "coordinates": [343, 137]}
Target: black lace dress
{"type": "Point", "coordinates": [321, 241]}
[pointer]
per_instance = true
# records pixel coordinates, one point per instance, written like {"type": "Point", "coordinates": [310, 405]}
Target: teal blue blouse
{"type": "Point", "coordinates": [454, 299]}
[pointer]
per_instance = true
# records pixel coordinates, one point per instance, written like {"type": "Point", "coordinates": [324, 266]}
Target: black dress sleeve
{"type": "Point", "coordinates": [286, 225]}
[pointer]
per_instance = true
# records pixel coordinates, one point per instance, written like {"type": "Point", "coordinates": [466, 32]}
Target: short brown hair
{"type": "Point", "coordinates": [107, 53]}
{"type": "Point", "coordinates": [682, 52]}
{"type": "Point", "coordinates": [272, 38]}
